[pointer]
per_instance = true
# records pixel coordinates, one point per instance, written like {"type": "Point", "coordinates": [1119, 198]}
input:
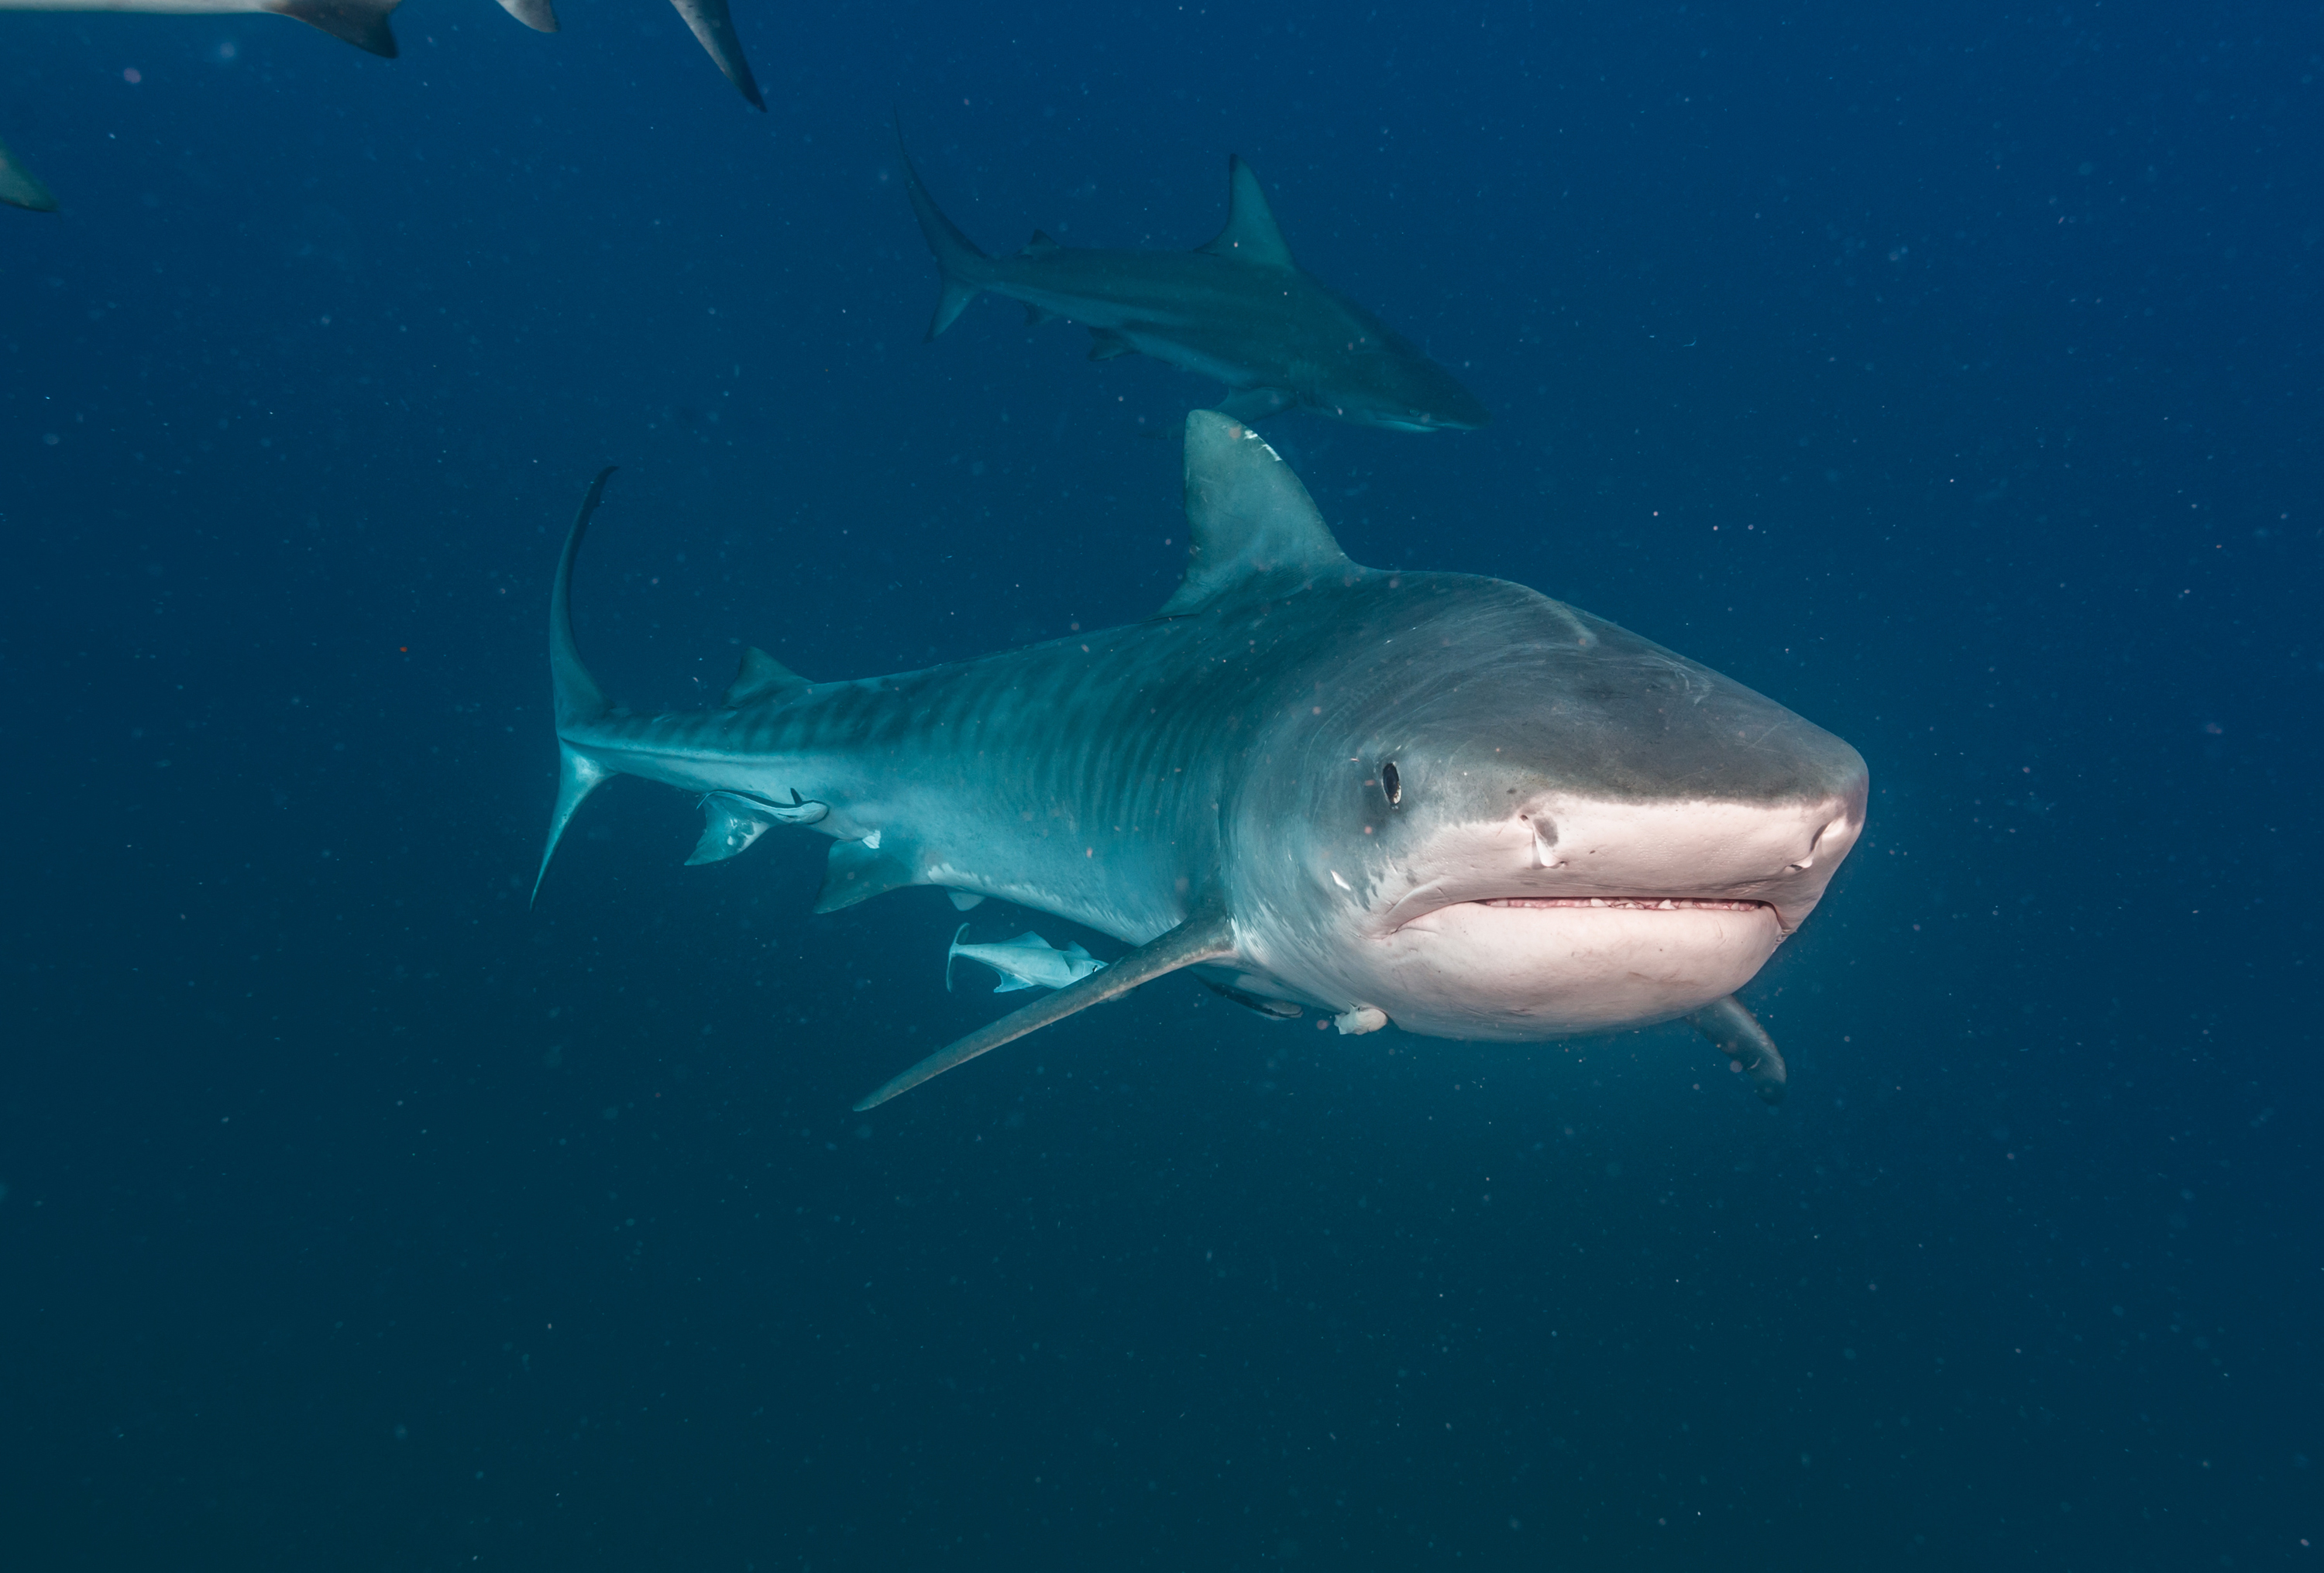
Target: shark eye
{"type": "Point", "coordinates": [1391, 783]}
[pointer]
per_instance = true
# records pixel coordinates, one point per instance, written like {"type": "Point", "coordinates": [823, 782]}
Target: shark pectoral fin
{"type": "Point", "coordinates": [578, 776]}
{"type": "Point", "coordinates": [1255, 403]}
{"type": "Point", "coordinates": [714, 27]}
{"type": "Point", "coordinates": [858, 871]}
{"type": "Point", "coordinates": [1736, 1034]}
{"type": "Point", "coordinates": [1250, 234]}
{"type": "Point", "coordinates": [361, 22]}
{"type": "Point", "coordinates": [1206, 935]}
{"type": "Point", "coordinates": [1105, 345]}
{"type": "Point", "coordinates": [537, 15]}
{"type": "Point", "coordinates": [19, 188]}
{"type": "Point", "coordinates": [761, 676]}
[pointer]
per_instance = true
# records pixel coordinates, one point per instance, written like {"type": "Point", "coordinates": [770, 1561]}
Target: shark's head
{"type": "Point", "coordinates": [1504, 818]}
{"type": "Point", "coordinates": [1474, 809]}
{"type": "Point", "coordinates": [1386, 379]}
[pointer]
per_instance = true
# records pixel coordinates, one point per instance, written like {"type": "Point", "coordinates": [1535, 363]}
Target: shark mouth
{"type": "Point", "coordinates": [1627, 903]}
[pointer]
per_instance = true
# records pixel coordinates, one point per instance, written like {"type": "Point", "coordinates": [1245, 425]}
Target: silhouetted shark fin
{"type": "Point", "coordinates": [858, 870]}
{"type": "Point", "coordinates": [1035, 316]}
{"type": "Point", "coordinates": [20, 189]}
{"type": "Point", "coordinates": [714, 26]}
{"type": "Point", "coordinates": [1248, 517]}
{"type": "Point", "coordinates": [361, 22]}
{"type": "Point", "coordinates": [1255, 403]}
{"type": "Point", "coordinates": [1250, 234]}
{"type": "Point", "coordinates": [1206, 935]}
{"type": "Point", "coordinates": [1040, 244]}
{"type": "Point", "coordinates": [761, 676]}
{"type": "Point", "coordinates": [1736, 1034]}
{"type": "Point", "coordinates": [958, 257]}
{"type": "Point", "coordinates": [537, 15]}
{"type": "Point", "coordinates": [1105, 345]}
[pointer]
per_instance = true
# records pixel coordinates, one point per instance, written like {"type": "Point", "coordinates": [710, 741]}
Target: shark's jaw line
{"type": "Point", "coordinates": [1429, 800]}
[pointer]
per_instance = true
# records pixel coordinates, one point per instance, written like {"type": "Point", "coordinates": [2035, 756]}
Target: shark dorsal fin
{"type": "Point", "coordinates": [1248, 517]}
{"type": "Point", "coordinates": [1251, 235]}
{"type": "Point", "coordinates": [760, 676]}
{"type": "Point", "coordinates": [1040, 244]}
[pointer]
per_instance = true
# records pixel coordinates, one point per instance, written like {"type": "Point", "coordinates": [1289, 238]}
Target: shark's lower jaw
{"type": "Point", "coordinates": [1528, 968]}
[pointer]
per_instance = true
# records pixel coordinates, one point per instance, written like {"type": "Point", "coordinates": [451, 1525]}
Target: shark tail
{"type": "Point", "coordinates": [951, 954]}
{"type": "Point", "coordinates": [577, 696]}
{"type": "Point", "coordinates": [956, 255]}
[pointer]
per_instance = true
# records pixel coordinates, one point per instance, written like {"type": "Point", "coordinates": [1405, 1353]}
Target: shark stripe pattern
{"type": "Point", "coordinates": [1430, 799]}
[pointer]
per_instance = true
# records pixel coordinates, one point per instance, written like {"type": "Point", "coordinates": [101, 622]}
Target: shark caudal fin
{"type": "Point", "coordinates": [956, 255]}
{"type": "Point", "coordinates": [577, 697]}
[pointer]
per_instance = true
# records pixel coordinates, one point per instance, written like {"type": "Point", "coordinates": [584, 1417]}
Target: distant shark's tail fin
{"type": "Point", "coordinates": [956, 255]}
{"type": "Point", "coordinates": [577, 697]}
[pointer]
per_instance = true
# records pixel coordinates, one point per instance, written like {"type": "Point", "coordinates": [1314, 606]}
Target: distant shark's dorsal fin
{"type": "Point", "coordinates": [1040, 244]}
{"type": "Point", "coordinates": [1251, 235]}
{"type": "Point", "coordinates": [760, 676]}
{"type": "Point", "coordinates": [1248, 517]}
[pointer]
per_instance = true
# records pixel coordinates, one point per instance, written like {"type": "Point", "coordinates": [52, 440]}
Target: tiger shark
{"type": "Point", "coordinates": [1238, 310]}
{"type": "Point", "coordinates": [1428, 799]}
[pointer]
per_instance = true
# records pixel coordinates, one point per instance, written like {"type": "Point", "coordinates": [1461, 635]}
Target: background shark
{"type": "Point", "coordinates": [20, 188]}
{"type": "Point", "coordinates": [1431, 799]}
{"type": "Point", "coordinates": [1239, 309]}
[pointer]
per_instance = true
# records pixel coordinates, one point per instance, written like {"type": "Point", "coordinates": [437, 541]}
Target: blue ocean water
{"type": "Point", "coordinates": [1947, 374]}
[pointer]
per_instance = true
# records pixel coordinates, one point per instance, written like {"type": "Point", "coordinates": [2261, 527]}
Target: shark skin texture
{"type": "Point", "coordinates": [1430, 800]}
{"type": "Point", "coordinates": [363, 24]}
{"type": "Point", "coordinates": [1238, 310]}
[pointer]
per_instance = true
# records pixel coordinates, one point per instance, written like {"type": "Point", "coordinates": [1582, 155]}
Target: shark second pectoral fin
{"type": "Point", "coordinates": [1105, 345]}
{"type": "Point", "coordinates": [1736, 1034]}
{"type": "Point", "coordinates": [1206, 935]}
{"type": "Point", "coordinates": [1255, 403]}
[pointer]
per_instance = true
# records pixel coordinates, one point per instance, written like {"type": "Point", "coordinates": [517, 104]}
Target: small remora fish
{"type": "Point", "coordinates": [1026, 962]}
{"type": "Point", "coordinates": [1239, 309]}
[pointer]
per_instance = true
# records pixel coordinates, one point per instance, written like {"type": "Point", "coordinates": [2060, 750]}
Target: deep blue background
{"type": "Point", "coordinates": [1947, 374]}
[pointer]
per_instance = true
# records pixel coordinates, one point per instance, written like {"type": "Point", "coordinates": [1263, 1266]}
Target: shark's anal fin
{"type": "Point", "coordinates": [761, 676]}
{"type": "Point", "coordinates": [732, 821]}
{"type": "Point", "coordinates": [858, 870]}
{"type": "Point", "coordinates": [1206, 935]}
{"type": "Point", "coordinates": [1736, 1034]}
{"type": "Point", "coordinates": [1250, 234]}
{"type": "Point", "coordinates": [1105, 345]}
{"type": "Point", "coordinates": [1248, 517]}
{"type": "Point", "coordinates": [578, 776]}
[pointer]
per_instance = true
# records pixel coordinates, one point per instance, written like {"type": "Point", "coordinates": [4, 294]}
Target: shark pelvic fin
{"type": "Point", "coordinates": [1736, 1034]}
{"type": "Point", "coordinates": [1206, 935]}
{"type": "Point", "coordinates": [760, 677]}
{"type": "Point", "coordinates": [361, 22]}
{"type": "Point", "coordinates": [20, 189]}
{"type": "Point", "coordinates": [1105, 345]}
{"type": "Point", "coordinates": [577, 775]}
{"type": "Point", "coordinates": [858, 870]}
{"type": "Point", "coordinates": [1248, 517]}
{"type": "Point", "coordinates": [537, 15]}
{"type": "Point", "coordinates": [1250, 234]}
{"type": "Point", "coordinates": [732, 821]}
{"type": "Point", "coordinates": [957, 258]}
{"type": "Point", "coordinates": [713, 28]}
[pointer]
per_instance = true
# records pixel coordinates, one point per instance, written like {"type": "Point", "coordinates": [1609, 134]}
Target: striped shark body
{"type": "Point", "coordinates": [1430, 799]}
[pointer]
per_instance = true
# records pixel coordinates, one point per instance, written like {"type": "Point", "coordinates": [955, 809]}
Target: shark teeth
{"type": "Point", "coordinates": [1627, 903]}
